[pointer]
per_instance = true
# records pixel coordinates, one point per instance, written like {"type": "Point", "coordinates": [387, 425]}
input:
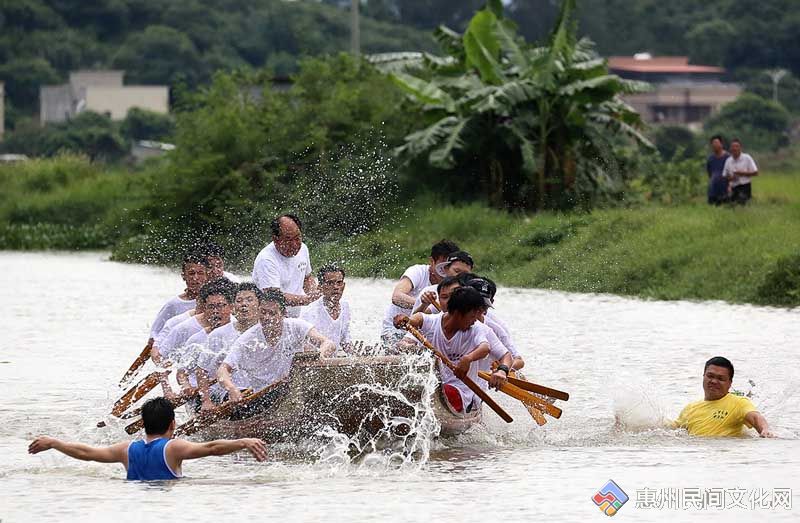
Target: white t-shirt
{"type": "Point", "coordinates": [338, 330]}
{"type": "Point", "coordinates": [499, 327]}
{"type": "Point", "coordinates": [231, 277]}
{"type": "Point", "coordinates": [462, 342]}
{"type": "Point", "coordinates": [170, 324]}
{"type": "Point", "coordinates": [173, 344]}
{"type": "Point", "coordinates": [420, 278]}
{"type": "Point", "coordinates": [169, 310]}
{"type": "Point", "coordinates": [263, 364]}
{"type": "Point", "coordinates": [744, 163]}
{"type": "Point", "coordinates": [272, 269]}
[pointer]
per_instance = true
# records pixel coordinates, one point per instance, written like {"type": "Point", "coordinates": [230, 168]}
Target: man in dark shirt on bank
{"type": "Point", "coordinates": [717, 183]}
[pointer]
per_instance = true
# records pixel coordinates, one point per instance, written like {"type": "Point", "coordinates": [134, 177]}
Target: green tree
{"type": "Point", "coordinates": [160, 54]}
{"type": "Point", "coordinates": [543, 124]}
{"type": "Point", "coordinates": [23, 77]}
{"type": "Point", "coordinates": [760, 124]}
{"type": "Point", "coordinates": [140, 124]}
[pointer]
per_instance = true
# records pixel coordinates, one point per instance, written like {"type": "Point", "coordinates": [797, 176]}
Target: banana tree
{"type": "Point", "coordinates": [546, 124]}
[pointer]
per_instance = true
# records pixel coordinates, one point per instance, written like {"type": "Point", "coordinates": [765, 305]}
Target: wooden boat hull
{"type": "Point", "coordinates": [355, 396]}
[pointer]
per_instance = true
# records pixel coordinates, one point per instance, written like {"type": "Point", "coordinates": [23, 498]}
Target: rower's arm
{"type": "Point", "coordinates": [117, 453]}
{"type": "Point", "coordinates": [326, 347]}
{"type": "Point", "coordinates": [759, 422]}
{"type": "Point", "coordinates": [226, 380]}
{"type": "Point", "coordinates": [202, 387]}
{"type": "Point", "coordinates": [400, 294]}
{"type": "Point", "coordinates": [179, 450]}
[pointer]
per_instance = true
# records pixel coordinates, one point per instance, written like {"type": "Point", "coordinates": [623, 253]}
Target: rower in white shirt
{"type": "Point", "coordinates": [194, 272]}
{"type": "Point", "coordinates": [219, 342]}
{"type": "Point", "coordinates": [330, 315]}
{"type": "Point", "coordinates": [263, 354]}
{"type": "Point", "coordinates": [410, 285]}
{"type": "Point", "coordinates": [285, 265]}
{"type": "Point", "coordinates": [463, 339]}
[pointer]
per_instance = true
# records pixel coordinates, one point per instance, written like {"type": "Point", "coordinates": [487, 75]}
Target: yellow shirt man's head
{"type": "Point", "coordinates": [717, 378]}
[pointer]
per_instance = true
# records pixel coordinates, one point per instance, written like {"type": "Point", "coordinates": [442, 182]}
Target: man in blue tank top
{"type": "Point", "coordinates": [157, 456]}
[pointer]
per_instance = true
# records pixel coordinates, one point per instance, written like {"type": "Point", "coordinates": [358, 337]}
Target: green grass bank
{"type": "Point", "coordinates": [686, 251]}
{"type": "Point", "coordinates": [690, 251]}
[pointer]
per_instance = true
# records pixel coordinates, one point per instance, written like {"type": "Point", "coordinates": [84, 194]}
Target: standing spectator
{"type": "Point", "coordinates": [717, 183]}
{"type": "Point", "coordinates": [739, 169]}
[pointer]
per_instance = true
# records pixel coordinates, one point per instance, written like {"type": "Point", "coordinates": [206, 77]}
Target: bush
{"type": "Point", "coordinates": [781, 285]}
{"type": "Point", "coordinates": [680, 180]}
{"type": "Point", "coordinates": [759, 123]}
{"type": "Point", "coordinates": [140, 124]}
{"type": "Point", "coordinates": [670, 139]}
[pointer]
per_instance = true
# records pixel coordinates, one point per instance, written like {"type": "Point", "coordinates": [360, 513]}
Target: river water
{"type": "Point", "coordinates": [74, 322]}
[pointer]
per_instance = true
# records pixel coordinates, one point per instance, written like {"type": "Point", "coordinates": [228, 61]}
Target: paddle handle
{"type": "Point", "coordinates": [539, 389]}
{"type": "Point", "coordinates": [140, 360]}
{"type": "Point", "coordinates": [474, 387]}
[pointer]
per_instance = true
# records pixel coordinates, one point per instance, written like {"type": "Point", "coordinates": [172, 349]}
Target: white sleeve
{"type": "Point", "coordinates": [308, 260]}
{"type": "Point", "coordinates": [752, 164]}
{"type": "Point", "coordinates": [345, 338]}
{"type": "Point", "coordinates": [168, 343]}
{"type": "Point", "coordinates": [233, 357]}
{"type": "Point", "coordinates": [499, 328]}
{"type": "Point", "coordinates": [266, 274]}
{"type": "Point", "coordinates": [727, 169]}
{"type": "Point", "coordinates": [163, 315]}
{"type": "Point", "coordinates": [417, 275]}
{"type": "Point", "coordinates": [496, 347]}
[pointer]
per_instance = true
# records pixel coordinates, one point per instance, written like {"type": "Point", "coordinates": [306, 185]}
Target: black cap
{"type": "Point", "coordinates": [484, 287]}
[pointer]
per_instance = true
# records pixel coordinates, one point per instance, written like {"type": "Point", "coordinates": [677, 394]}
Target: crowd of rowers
{"type": "Point", "coordinates": [225, 337]}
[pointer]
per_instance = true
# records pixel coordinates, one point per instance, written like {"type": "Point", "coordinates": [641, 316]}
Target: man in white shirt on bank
{"type": "Point", "coordinates": [285, 265]}
{"type": "Point", "coordinates": [739, 169]}
{"type": "Point", "coordinates": [330, 315]}
{"type": "Point", "coordinates": [410, 285]}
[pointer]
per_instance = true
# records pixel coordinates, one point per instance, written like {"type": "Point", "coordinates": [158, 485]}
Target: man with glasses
{"type": "Point", "coordinates": [285, 265]}
{"type": "Point", "coordinates": [721, 413]}
{"type": "Point", "coordinates": [330, 315]}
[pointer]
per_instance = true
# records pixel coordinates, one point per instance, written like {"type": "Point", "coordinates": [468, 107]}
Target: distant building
{"type": "Point", "coordinates": [102, 92]}
{"type": "Point", "coordinates": [682, 94]}
{"type": "Point", "coordinates": [2, 110]}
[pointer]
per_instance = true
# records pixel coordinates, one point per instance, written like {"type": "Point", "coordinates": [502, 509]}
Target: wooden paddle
{"type": "Point", "coordinates": [138, 391]}
{"type": "Point", "coordinates": [539, 389]}
{"type": "Point", "coordinates": [474, 387]}
{"type": "Point", "coordinates": [179, 400]}
{"type": "Point", "coordinates": [208, 418]}
{"type": "Point", "coordinates": [140, 360]}
{"type": "Point", "coordinates": [526, 397]}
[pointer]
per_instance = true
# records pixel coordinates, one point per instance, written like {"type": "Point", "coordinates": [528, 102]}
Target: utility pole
{"type": "Point", "coordinates": [355, 30]}
{"type": "Point", "coordinates": [776, 75]}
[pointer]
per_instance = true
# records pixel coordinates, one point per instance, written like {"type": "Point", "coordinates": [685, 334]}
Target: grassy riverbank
{"type": "Point", "coordinates": [690, 251]}
{"type": "Point", "coordinates": [687, 251]}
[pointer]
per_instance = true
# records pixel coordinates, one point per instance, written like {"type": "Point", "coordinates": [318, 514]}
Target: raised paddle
{"type": "Point", "coordinates": [474, 387]}
{"type": "Point", "coordinates": [138, 391]}
{"type": "Point", "coordinates": [525, 397]}
{"type": "Point", "coordinates": [140, 360]}
{"type": "Point", "coordinates": [208, 418]}
{"type": "Point", "coordinates": [179, 400]}
{"type": "Point", "coordinates": [532, 387]}
{"type": "Point", "coordinates": [539, 389]}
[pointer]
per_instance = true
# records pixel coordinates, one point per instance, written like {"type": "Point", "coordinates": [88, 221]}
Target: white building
{"type": "Point", "coordinates": [102, 92]}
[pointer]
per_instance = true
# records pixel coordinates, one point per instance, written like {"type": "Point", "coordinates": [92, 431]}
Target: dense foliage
{"type": "Point", "coordinates": [172, 42]}
{"type": "Point", "coordinates": [535, 127]}
{"type": "Point", "coordinates": [759, 123]}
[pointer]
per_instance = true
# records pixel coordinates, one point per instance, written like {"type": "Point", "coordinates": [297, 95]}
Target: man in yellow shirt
{"type": "Point", "coordinates": [721, 413]}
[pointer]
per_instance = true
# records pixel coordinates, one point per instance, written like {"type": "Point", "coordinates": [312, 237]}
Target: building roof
{"type": "Point", "coordinates": [644, 63]}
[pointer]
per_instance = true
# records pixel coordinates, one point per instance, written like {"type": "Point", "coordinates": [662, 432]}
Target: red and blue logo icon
{"type": "Point", "coordinates": [610, 498]}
